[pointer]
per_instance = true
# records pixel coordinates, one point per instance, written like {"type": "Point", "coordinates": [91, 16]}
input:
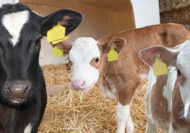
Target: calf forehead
{"type": "Point", "coordinates": [14, 23]}
{"type": "Point", "coordinates": [18, 25]}
{"type": "Point", "coordinates": [84, 49]}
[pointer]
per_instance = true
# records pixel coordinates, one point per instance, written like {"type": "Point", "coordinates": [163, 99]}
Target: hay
{"type": "Point", "coordinates": [180, 16]}
{"type": "Point", "coordinates": [77, 112]}
{"type": "Point", "coordinates": [168, 5]}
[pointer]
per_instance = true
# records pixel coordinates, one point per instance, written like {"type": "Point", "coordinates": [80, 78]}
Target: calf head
{"type": "Point", "coordinates": [21, 31]}
{"type": "Point", "coordinates": [180, 60]}
{"type": "Point", "coordinates": [89, 59]}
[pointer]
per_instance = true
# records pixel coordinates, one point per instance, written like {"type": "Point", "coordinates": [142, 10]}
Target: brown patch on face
{"type": "Point", "coordinates": [95, 62]}
{"type": "Point", "coordinates": [178, 106]}
{"type": "Point", "coordinates": [159, 104]}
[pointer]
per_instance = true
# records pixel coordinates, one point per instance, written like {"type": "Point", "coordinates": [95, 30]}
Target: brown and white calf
{"type": "Point", "coordinates": [168, 96]}
{"type": "Point", "coordinates": [119, 78]}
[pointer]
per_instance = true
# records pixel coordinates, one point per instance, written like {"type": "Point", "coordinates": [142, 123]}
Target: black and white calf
{"type": "Point", "coordinates": [22, 86]}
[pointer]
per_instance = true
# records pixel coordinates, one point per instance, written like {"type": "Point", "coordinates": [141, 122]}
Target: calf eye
{"type": "Point", "coordinates": [97, 60]}
{"type": "Point", "coordinates": [37, 43]}
{"type": "Point", "coordinates": [178, 72]}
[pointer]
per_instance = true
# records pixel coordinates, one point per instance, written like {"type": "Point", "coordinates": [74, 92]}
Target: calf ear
{"type": "Point", "coordinates": [116, 43]}
{"type": "Point", "coordinates": [148, 55]}
{"type": "Point", "coordinates": [67, 18]}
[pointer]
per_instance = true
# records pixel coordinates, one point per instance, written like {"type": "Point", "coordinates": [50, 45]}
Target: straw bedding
{"type": "Point", "coordinates": [77, 112]}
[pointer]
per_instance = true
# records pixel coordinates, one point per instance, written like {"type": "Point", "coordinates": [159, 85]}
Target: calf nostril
{"type": "Point", "coordinates": [27, 89]}
{"type": "Point", "coordinates": [78, 84]}
{"type": "Point", "coordinates": [83, 83]}
{"type": "Point", "coordinates": [6, 89]}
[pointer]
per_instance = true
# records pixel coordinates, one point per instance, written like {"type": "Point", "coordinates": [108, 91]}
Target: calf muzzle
{"type": "Point", "coordinates": [17, 91]}
{"type": "Point", "coordinates": [78, 84]}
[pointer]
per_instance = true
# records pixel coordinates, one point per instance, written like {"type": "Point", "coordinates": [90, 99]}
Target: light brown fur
{"type": "Point", "coordinates": [159, 104]}
{"type": "Point", "coordinates": [178, 106]}
{"type": "Point", "coordinates": [124, 73]}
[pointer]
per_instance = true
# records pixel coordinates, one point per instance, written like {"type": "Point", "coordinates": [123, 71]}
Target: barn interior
{"type": "Point", "coordinates": [73, 112]}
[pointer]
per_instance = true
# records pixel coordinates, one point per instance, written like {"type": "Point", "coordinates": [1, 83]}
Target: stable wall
{"type": "Point", "coordinates": [146, 12]}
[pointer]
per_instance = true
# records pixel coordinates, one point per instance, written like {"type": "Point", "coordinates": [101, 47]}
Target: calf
{"type": "Point", "coordinates": [22, 86]}
{"type": "Point", "coordinates": [119, 78]}
{"type": "Point", "coordinates": [168, 96]}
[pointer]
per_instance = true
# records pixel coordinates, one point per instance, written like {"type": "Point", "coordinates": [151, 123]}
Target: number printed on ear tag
{"type": "Point", "coordinates": [112, 55]}
{"type": "Point", "coordinates": [56, 33]}
{"type": "Point", "coordinates": [159, 67]}
{"type": "Point", "coordinates": [57, 52]}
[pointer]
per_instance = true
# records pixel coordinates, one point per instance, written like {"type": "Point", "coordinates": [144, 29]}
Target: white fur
{"type": "Point", "coordinates": [84, 49]}
{"type": "Point", "coordinates": [124, 119]}
{"type": "Point", "coordinates": [183, 58]}
{"type": "Point", "coordinates": [28, 128]}
{"type": "Point", "coordinates": [14, 23]}
{"type": "Point", "coordinates": [169, 87]}
{"type": "Point", "coordinates": [151, 80]}
{"type": "Point", "coordinates": [183, 64]}
{"type": "Point", "coordinates": [16, 101]}
{"type": "Point", "coordinates": [144, 76]}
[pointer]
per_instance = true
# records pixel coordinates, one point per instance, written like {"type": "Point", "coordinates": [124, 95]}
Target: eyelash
{"type": "Point", "coordinates": [178, 73]}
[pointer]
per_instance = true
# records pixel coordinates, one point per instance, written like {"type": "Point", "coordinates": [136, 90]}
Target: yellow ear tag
{"type": "Point", "coordinates": [56, 33]}
{"type": "Point", "coordinates": [66, 37]}
{"type": "Point", "coordinates": [57, 52]}
{"type": "Point", "coordinates": [159, 67]}
{"type": "Point", "coordinates": [112, 55]}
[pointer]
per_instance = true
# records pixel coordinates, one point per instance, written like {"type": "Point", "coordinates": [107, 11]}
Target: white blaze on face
{"type": "Point", "coordinates": [84, 49]}
{"type": "Point", "coordinates": [14, 23]}
{"type": "Point", "coordinates": [183, 64]}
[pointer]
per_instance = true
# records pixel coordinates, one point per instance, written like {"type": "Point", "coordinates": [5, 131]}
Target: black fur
{"type": "Point", "coordinates": [21, 62]}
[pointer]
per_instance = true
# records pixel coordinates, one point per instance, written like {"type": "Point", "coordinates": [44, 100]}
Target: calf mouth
{"type": "Point", "coordinates": [17, 101]}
